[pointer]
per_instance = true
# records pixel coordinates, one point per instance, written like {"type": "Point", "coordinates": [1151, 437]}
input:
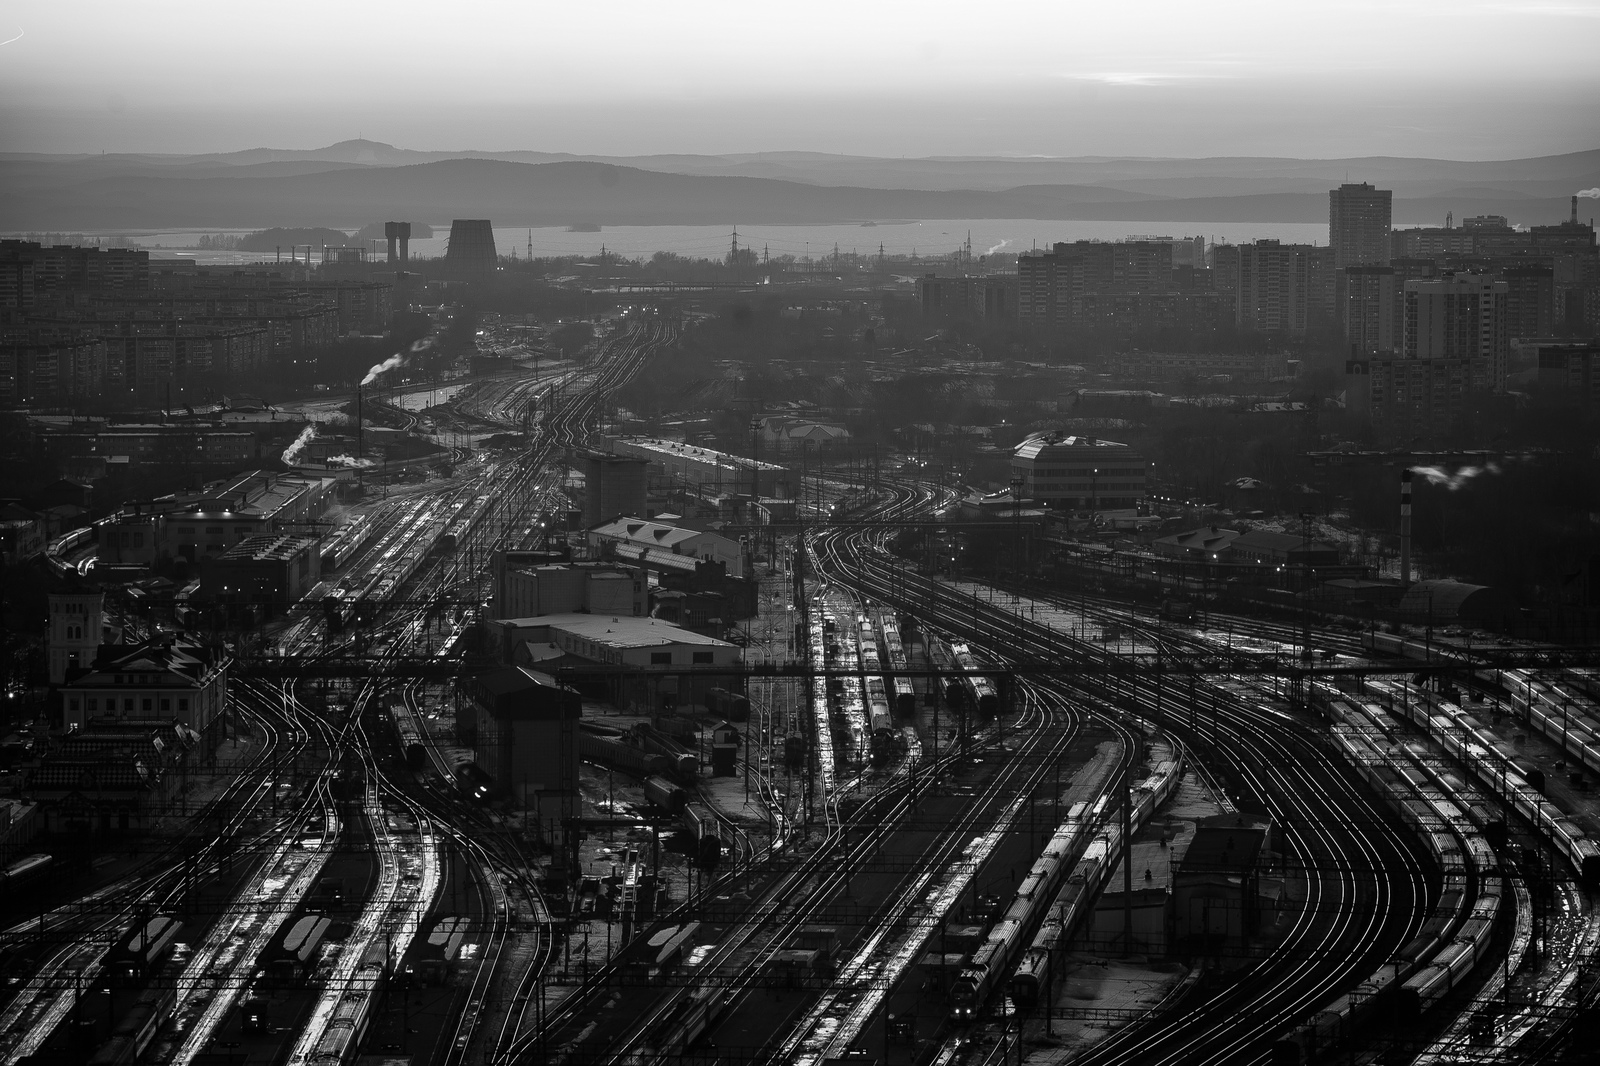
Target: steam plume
{"type": "Point", "coordinates": [291, 454]}
{"type": "Point", "coordinates": [1593, 194]}
{"type": "Point", "coordinates": [1439, 476]}
{"type": "Point", "coordinates": [396, 360]}
{"type": "Point", "coordinates": [997, 247]}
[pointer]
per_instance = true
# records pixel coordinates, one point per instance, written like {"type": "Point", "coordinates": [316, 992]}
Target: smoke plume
{"type": "Point", "coordinates": [1437, 475]}
{"type": "Point", "coordinates": [397, 359]}
{"type": "Point", "coordinates": [291, 454]}
{"type": "Point", "coordinates": [997, 247]}
{"type": "Point", "coordinates": [1593, 194]}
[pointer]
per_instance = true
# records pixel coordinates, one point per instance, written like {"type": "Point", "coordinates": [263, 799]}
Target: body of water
{"type": "Point", "coordinates": [927, 237]}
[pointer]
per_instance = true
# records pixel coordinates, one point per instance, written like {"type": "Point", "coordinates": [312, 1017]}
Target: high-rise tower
{"type": "Point", "coordinates": [1359, 219]}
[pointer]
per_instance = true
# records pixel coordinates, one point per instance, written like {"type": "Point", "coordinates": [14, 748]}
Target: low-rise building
{"type": "Point", "coordinates": [272, 570]}
{"type": "Point", "coordinates": [175, 681]}
{"type": "Point", "coordinates": [22, 533]}
{"type": "Point", "coordinates": [631, 662]}
{"type": "Point", "coordinates": [653, 544]}
{"type": "Point", "coordinates": [1082, 473]}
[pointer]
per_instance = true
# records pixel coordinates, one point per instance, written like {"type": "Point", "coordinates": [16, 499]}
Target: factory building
{"type": "Point", "coordinates": [612, 485]}
{"type": "Point", "coordinates": [703, 471]}
{"type": "Point", "coordinates": [273, 570]}
{"type": "Point", "coordinates": [1080, 473]}
{"type": "Point", "coordinates": [632, 663]}
{"type": "Point", "coordinates": [523, 727]}
{"type": "Point", "coordinates": [661, 546]}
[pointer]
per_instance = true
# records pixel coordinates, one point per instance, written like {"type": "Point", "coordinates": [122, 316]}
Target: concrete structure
{"type": "Point", "coordinates": [1079, 472]}
{"type": "Point", "coordinates": [272, 570]}
{"type": "Point", "coordinates": [1459, 316]}
{"type": "Point", "coordinates": [1405, 398]}
{"type": "Point", "coordinates": [1275, 287]}
{"type": "Point", "coordinates": [982, 296]}
{"type": "Point", "coordinates": [524, 729]}
{"type": "Point", "coordinates": [571, 588]}
{"type": "Point", "coordinates": [1216, 887]}
{"type": "Point", "coordinates": [1169, 366]}
{"type": "Point", "coordinates": [160, 681]}
{"type": "Point", "coordinates": [644, 659]}
{"type": "Point", "coordinates": [612, 485]}
{"type": "Point", "coordinates": [1442, 602]}
{"type": "Point", "coordinates": [22, 533]}
{"type": "Point", "coordinates": [210, 522]}
{"type": "Point", "coordinates": [398, 234]}
{"type": "Point", "coordinates": [656, 544]}
{"type": "Point", "coordinates": [77, 629]}
{"type": "Point", "coordinates": [1368, 309]}
{"type": "Point", "coordinates": [703, 471]}
{"type": "Point", "coordinates": [471, 250]}
{"type": "Point", "coordinates": [1359, 225]}
{"type": "Point", "coordinates": [1569, 371]}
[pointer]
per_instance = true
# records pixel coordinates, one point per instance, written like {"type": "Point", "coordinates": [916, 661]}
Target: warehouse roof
{"type": "Point", "coordinates": [618, 631]}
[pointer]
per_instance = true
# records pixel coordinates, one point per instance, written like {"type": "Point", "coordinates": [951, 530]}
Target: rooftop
{"type": "Point", "coordinates": [617, 631]}
{"type": "Point", "coordinates": [1058, 444]}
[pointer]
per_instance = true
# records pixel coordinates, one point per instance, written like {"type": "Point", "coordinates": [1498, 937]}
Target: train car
{"type": "Point", "coordinates": [722, 703]}
{"type": "Point", "coordinates": [438, 952]}
{"type": "Point", "coordinates": [980, 691]}
{"type": "Point", "coordinates": [138, 1026]}
{"type": "Point", "coordinates": [794, 752]}
{"type": "Point", "coordinates": [665, 794]}
{"type": "Point", "coordinates": [618, 754]}
{"type": "Point", "coordinates": [293, 952]}
{"type": "Point", "coordinates": [409, 731]}
{"type": "Point", "coordinates": [474, 782]}
{"type": "Point", "coordinates": [1074, 903]}
{"type": "Point", "coordinates": [705, 831]}
{"type": "Point", "coordinates": [25, 872]}
{"type": "Point", "coordinates": [683, 763]}
{"type": "Point", "coordinates": [346, 542]}
{"type": "Point", "coordinates": [348, 1025]}
{"type": "Point", "coordinates": [142, 949]}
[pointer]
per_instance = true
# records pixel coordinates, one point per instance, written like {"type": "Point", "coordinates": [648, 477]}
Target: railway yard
{"type": "Point", "coordinates": [963, 822]}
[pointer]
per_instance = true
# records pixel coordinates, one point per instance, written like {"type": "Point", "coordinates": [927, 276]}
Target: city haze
{"type": "Point", "coordinates": [1467, 81]}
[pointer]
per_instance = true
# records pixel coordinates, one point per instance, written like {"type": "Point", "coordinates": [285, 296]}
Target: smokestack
{"type": "Point", "coordinates": [1405, 527]}
{"type": "Point", "coordinates": [1574, 209]}
{"type": "Point", "coordinates": [359, 449]}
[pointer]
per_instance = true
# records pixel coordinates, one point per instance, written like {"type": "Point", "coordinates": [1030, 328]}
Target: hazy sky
{"type": "Point", "coordinates": [1187, 77]}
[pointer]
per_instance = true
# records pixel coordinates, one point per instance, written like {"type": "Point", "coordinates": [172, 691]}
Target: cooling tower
{"type": "Point", "coordinates": [471, 245]}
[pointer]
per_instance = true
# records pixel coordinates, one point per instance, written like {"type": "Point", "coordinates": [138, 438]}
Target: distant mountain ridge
{"type": "Point", "coordinates": [353, 182]}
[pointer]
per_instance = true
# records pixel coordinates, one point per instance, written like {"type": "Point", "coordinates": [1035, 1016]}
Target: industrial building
{"type": "Point", "coordinates": [471, 252]}
{"type": "Point", "coordinates": [701, 471]}
{"type": "Point", "coordinates": [633, 663]}
{"type": "Point", "coordinates": [1081, 473]}
{"type": "Point", "coordinates": [661, 546]}
{"type": "Point", "coordinates": [612, 485]}
{"type": "Point", "coordinates": [524, 591]}
{"type": "Point", "coordinates": [210, 522]}
{"type": "Point", "coordinates": [271, 570]}
{"type": "Point", "coordinates": [523, 729]}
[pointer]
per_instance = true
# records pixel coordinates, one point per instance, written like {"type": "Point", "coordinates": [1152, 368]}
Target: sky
{"type": "Point", "coordinates": [1458, 79]}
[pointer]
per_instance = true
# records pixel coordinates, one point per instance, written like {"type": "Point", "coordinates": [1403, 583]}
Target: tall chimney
{"type": "Point", "coordinates": [359, 449]}
{"type": "Point", "coordinates": [1574, 209]}
{"type": "Point", "coordinates": [1405, 527]}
